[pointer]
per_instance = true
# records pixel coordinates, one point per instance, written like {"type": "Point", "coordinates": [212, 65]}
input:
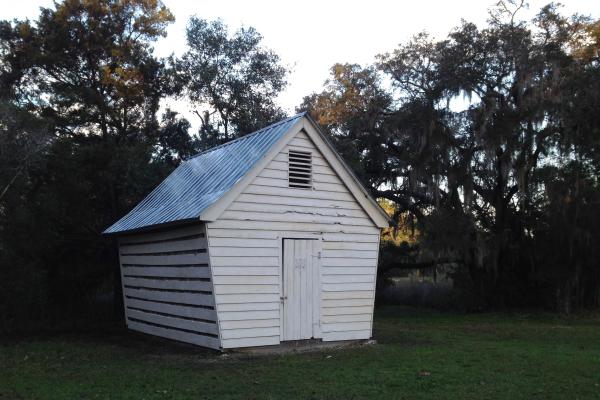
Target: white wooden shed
{"type": "Point", "coordinates": [264, 239]}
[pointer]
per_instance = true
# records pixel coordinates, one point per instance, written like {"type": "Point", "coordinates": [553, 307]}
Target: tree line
{"type": "Point", "coordinates": [485, 143]}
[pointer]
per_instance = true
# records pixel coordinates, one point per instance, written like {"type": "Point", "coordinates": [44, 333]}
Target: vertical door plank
{"type": "Point", "coordinates": [316, 289]}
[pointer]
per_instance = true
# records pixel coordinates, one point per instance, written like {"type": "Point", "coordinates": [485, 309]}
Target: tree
{"type": "Point", "coordinates": [85, 74]}
{"type": "Point", "coordinates": [174, 141]}
{"type": "Point", "coordinates": [232, 80]}
{"type": "Point", "coordinates": [478, 179]}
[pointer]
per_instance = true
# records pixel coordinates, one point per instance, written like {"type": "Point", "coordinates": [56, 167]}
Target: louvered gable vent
{"type": "Point", "coordinates": [300, 169]}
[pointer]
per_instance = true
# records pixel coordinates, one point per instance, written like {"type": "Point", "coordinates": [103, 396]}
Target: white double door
{"type": "Point", "coordinates": [301, 289]}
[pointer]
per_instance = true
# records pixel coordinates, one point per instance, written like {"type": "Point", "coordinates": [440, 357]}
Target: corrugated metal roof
{"type": "Point", "coordinates": [202, 180]}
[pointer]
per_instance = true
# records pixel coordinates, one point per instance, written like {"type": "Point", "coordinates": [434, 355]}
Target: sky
{"type": "Point", "coordinates": [312, 35]}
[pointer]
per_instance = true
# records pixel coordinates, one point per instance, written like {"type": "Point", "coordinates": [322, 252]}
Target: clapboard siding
{"type": "Point", "coordinates": [248, 315]}
{"type": "Point", "coordinates": [176, 259]}
{"type": "Point", "coordinates": [297, 209]}
{"type": "Point", "coordinates": [175, 310]}
{"type": "Point", "coordinates": [347, 335]}
{"type": "Point", "coordinates": [345, 326]}
{"type": "Point", "coordinates": [168, 246]}
{"type": "Point", "coordinates": [167, 285]}
{"type": "Point", "coordinates": [250, 323]}
{"type": "Point", "coordinates": [245, 248]}
{"type": "Point", "coordinates": [244, 251]}
{"type": "Point", "coordinates": [164, 236]}
{"type": "Point", "coordinates": [327, 319]}
{"type": "Point", "coordinates": [315, 203]}
{"type": "Point", "coordinates": [250, 342]}
{"type": "Point", "coordinates": [247, 307]}
{"type": "Point", "coordinates": [295, 216]}
{"type": "Point", "coordinates": [167, 271]}
{"type": "Point", "coordinates": [325, 279]}
{"type": "Point", "coordinates": [346, 310]}
{"type": "Point", "coordinates": [246, 280]}
{"type": "Point", "coordinates": [246, 289]}
{"type": "Point", "coordinates": [179, 335]}
{"type": "Point", "coordinates": [346, 295]}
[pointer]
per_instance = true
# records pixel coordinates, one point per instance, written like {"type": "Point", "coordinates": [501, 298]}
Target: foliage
{"type": "Point", "coordinates": [81, 142]}
{"type": "Point", "coordinates": [80, 92]}
{"type": "Point", "coordinates": [470, 135]}
{"type": "Point", "coordinates": [231, 79]}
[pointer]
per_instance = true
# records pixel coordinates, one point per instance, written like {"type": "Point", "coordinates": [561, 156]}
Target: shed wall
{"type": "Point", "coordinates": [167, 285]}
{"type": "Point", "coordinates": [245, 250]}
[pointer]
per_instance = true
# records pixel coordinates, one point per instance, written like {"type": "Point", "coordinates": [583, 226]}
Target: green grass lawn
{"type": "Point", "coordinates": [420, 354]}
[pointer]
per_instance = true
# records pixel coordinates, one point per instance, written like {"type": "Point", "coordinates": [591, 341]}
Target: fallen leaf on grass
{"type": "Point", "coordinates": [424, 373]}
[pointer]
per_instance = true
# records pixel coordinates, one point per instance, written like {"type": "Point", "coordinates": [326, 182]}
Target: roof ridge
{"type": "Point", "coordinates": [301, 114]}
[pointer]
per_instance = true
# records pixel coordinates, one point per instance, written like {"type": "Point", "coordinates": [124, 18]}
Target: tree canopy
{"type": "Point", "coordinates": [470, 136]}
{"type": "Point", "coordinates": [231, 80]}
{"type": "Point", "coordinates": [82, 141]}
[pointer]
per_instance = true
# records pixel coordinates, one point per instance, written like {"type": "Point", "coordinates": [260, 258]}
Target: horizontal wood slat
{"type": "Point", "coordinates": [354, 254]}
{"type": "Point", "coordinates": [348, 279]}
{"type": "Point", "coordinates": [293, 217]}
{"type": "Point", "coordinates": [296, 209]}
{"type": "Point", "coordinates": [327, 303]}
{"type": "Point", "coordinates": [180, 336]}
{"type": "Point", "coordinates": [168, 272]}
{"type": "Point", "coordinates": [244, 252]}
{"type": "Point", "coordinates": [244, 261]}
{"type": "Point", "coordinates": [349, 294]}
{"type": "Point", "coordinates": [349, 262]}
{"type": "Point", "coordinates": [164, 235]}
{"type": "Point", "coordinates": [249, 271]}
{"type": "Point", "coordinates": [346, 318]}
{"type": "Point", "coordinates": [243, 243]}
{"type": "Point", "coordinates": [246, 280]}
{"type": "Point", "coordinates": [248, 333]}
{"type": "Point", "coordinates": [247, 298]}
{"type": "Point", "coordinates": [353, 310]}
{"type": "Point", "coordinates": [292, 192]}
{"type": "Point", "coordinates": [351, 237]}
{"type": "Point", "coordinates": [350, 245]}
{"type": "Point", "coordinates": [297, 201]}
{"type": "Point", "coordinates": [176, 259]}
{"type": "Point", "coordinates": [246, 289]}
{"type": "Point", "coordinates": [350, 335]}
{"type": "Point", "coordinates": [170, 321]}
{"type": "Point", "coordinates": [163, 247]}
{"type": "Point", "coordinates": [346, 326]}
{"type": "Point", "coordinates": [247, 307]}
{"type": "Point", "coordinates": [346, 271]}
{"type": "Point", "coordinates": [173, 297]}
{"type": "Point", "coordinates": [182, 311]}
{"type": "Point", "coordinates": [345, 287]}
{"type": "Point", "coordinates": [293, 227]}
{"type": "Point", "coordinates": [249, 323]}
{"type": "Point", "coordinates": [172, 284]}
{"type": "Point", "coordinates": [250, 342]}
{"type": "Point", "coordinates": [247, 315]}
